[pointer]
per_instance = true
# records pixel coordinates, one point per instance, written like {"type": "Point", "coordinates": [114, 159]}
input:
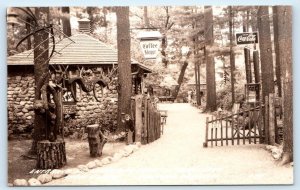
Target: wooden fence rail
{"type": "Point", "coordinates": [147, 119]}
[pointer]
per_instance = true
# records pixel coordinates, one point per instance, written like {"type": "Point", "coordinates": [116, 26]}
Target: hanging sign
{"type": "Point", "coordinates": [150, 48]}
{"type": "Point", "coordinates": [246, 38]}
{"type": "Point", "coordinates": [150, 42]}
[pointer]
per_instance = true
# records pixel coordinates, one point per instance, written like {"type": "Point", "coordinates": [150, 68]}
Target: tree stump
{"type": "Point", "coordinates": [51, 155]}
{"type": "Point", "coordinates": [96, 140]}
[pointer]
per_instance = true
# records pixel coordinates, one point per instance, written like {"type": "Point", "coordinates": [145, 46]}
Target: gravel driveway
{"type": "Point", "coordinates": [179, 158]}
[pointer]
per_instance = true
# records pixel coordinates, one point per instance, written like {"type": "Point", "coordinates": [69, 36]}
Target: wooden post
{"type": "Point", "coordinates": [96, 141]}
{"type": "Point", "coordinates": [244, 138]}
{"type": "Point", "coordinates": [221, 132]}
{"type": "Point", "coordinates": [212, 136]}
{"type": "Point", "coordinates": [256, 70]}
{"type": "Point", "coordinates": [249, 125]}
{"type": "Point", "coordinates": [138, 118]}
{"type": "Point", "coordinates": [248, 65]}
{"type": "Point", "coordinates": [206, 133]}
{"type": "Point", "coordinates": [271, 119]}
{"type": "Point", "coordinates": [266, 122]}
{"type": "Point", "coordinates": [216, 136]}
{"type": "Point", "coordinates": [147, 119]}
{"type": "Point", "coordinates": [232, 130]}
{"type": "Point", "coordinates": [260, 121]}
{"type": "Point", "coordinates": [226, 131]}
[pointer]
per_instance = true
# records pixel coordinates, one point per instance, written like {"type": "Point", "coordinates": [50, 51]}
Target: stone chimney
{"type": "Point", "coordinates": [84, 26]}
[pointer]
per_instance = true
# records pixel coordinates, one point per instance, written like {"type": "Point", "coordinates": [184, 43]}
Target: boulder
{"type": "Point", "coordinates": [106, 160]}
{"type": "Point", "coordinates": [91, 165]}
{"type": "Point", "coordinates": [20, 182]}
{"type": "Point", "coordinates": [56, 174]}
{"type": "Point", "coordinates": [83, 168]}
{"type": "Point", "coordinates": [71, 171]}
{"type": "Point", "coordinates": [128, 149]}
{"type": "Point", "coordinates": [139, 144]}
{"type": "Point", "coordinates": [45, 178]}
{"type": "Point", "coordinates": [98, 163]}
{"type": "Point", "coordinates": [34, 182]}
{"type": "Point", "coordinates": [117, 156]}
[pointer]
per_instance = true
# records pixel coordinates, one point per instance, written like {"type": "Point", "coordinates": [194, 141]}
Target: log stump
{"type": "Point", "coordinates": [96, 140]}
{"type": "Point", "coordinates": [51, 155]}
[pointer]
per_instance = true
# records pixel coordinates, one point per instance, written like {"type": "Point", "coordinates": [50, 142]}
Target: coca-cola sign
{"type": "Point", "coordinates": [246, 38]}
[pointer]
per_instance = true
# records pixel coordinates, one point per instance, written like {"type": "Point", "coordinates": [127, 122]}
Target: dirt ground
{"type": "Point", "coordinates": [19, 167]}
{"type": "Point", "coordinates": [178, 158]}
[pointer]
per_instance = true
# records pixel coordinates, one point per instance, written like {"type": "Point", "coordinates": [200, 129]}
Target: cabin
{"type": "Point", "coordinates": [80, 55]}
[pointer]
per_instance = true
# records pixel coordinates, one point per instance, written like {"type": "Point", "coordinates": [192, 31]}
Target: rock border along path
{"type": "Point", "coordinates": [178, 158]}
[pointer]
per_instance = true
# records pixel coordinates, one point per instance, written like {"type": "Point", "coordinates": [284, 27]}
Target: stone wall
{"type": "Point", "coordinates": [20, 98]}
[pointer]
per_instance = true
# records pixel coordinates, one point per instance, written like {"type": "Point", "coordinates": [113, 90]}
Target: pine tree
{"type": "Point", "coordinates": [285, 51]}
{"type": "Point", "coordinates": [211, 104]}
{"type": "Point", "coordinates": [124, 64]}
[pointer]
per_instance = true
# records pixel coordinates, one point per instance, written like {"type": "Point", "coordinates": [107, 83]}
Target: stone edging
{"type": "Point", "coordinates": [57, 173]}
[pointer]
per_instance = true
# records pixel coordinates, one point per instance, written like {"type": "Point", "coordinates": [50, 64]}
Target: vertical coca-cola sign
{"type": "Point", "coordinates": [246, 38]}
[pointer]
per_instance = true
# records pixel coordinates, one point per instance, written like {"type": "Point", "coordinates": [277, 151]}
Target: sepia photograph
{"type": "Point", "coordinates": [149, 95]}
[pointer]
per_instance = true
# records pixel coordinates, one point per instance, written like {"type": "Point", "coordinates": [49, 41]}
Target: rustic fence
{"type": "Point", "coordinates": [260, 124]}
{"type": "Point", "coordinates": [148, 123]}
{"type": "Point", "coordinates": [239, 128]}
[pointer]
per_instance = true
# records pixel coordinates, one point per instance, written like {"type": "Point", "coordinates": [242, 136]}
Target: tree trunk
{"type": "Point", "coordinates": [180, 79]}
{"type": "Point", "coordinates": [211, 104]}
{"type": "Point", "coordinates": [146, 18]}
{"type": "Point", "coordinates": [285, 51]}
{"type": "Point", "coordinates": [232, 56]}
{"type": "Point", "coordinates": [276, 48]}
{"type": "Point", "coordinates": [51, 155]}
{"type": "Point", "coordinates": [41, 67]}
{"type": "Point", "coordinates": [66, 21]}
{"type": "Point", "coordinates": [124, 64]}
{"type": "Point", "coordinates": [266, 57]}
{"type": "Point", "coordinates": [96, 140]}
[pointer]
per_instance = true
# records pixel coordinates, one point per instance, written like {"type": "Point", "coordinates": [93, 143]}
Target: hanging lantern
{"type": "Point", "coordinates": [150, 42]}
{"type": "Point", "coordinates": [12, 17]}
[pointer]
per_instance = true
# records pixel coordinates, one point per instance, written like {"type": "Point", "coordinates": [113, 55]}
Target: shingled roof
{"type": "Point", "coordinates": [82, 49]}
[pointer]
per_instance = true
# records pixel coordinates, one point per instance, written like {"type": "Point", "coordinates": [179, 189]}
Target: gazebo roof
{"type": "Point", "coordinates": [82, 49]}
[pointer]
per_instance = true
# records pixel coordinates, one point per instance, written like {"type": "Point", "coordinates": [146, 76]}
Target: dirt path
{"type": "Point", "coordinates": [179, 158]}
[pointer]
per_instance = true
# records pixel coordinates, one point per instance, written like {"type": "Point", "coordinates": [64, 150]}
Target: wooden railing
{"type": "Point", "coordinates": [148, 125]}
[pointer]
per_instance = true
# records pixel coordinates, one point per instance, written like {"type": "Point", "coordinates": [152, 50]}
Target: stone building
{"type": "Point", "coordinates": [79, 53]}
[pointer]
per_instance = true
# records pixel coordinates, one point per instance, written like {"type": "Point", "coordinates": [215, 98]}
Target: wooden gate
{"type": "Point", "coordinates": [244, 127]}
{"type": "Point", "coordinates": [148, 125]}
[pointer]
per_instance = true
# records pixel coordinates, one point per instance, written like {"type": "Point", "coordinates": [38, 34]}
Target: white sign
{"type": "Point", "coordinates": [150, 48]}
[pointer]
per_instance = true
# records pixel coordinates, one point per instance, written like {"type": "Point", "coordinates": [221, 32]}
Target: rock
{"type": "Point", "coordinates": [20, 182]}
{"type": "Point", "coordinates": [45, 178]}
{"type": "Point", "coordinates": [22, 103]}
{"type": "Point", "coordinates": [83, 168]}
{"type": "Point", "coordinates": [91, 165]}
{"type": "Point", "coordinates": [134, 147]}
{"type": "Point", "coordinates": [128, 149]}
{"type": "Point", "coordinates": [139, 144]}
{"type": "Point", "coordinates": [98, 163]}
{"type": "Point", "coordinates": [116, 157]}
{"type": "Point", "coordinates": [71, 171]}
{"type": "Point", "coordinates": [106, 160]}
{"type": "Point", "coordinates": [56, 174]}
{"type": "Point", "coordinates": [34, 182]}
